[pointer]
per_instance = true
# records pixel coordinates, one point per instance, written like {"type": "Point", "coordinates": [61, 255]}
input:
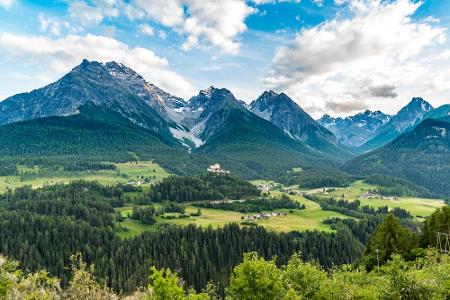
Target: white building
{"type": "Point", "coordinates": [217, 169]}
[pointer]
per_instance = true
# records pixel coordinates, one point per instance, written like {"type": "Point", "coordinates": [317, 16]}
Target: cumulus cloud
{"type": "Point", "coordinates": [380, 42]}
{"type": "Point", "coordinates": [204, 23]}
{"type": "Point", "coordinates": [258, 2]}
{"type": "Point", "coordinates": [215, 23]}
{"type": "Point", "coordinates": [52, 58]}
{"type": "Point", "coordinates": [6, 3]}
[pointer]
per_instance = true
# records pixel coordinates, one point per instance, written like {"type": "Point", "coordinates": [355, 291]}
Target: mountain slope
{"type": "Point", "coordinates": [421, 156]}
{"type": "Point", "coordinates": [287, 115]}
{"type": "Point", "coordinates": [96, 133]}
{"type": "Point", "coordinates": [409, 115]}
{"type": "Point", "coordinates": [252, 146]}
{"type": "Point", "coordinates": [94, 130]}
{"type": "Point", "coordinates": [353, 131]}
{"type": "Point", "coordinates": [90, 82]}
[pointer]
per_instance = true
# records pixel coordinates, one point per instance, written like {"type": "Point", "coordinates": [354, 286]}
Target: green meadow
{"type": "Point", "coordinates": [125, 172]}
{"type": "Point", "coordinates": [419, 207]}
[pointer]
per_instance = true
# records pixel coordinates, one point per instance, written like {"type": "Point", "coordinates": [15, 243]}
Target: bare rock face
{"type": "Point", "coordinates": [111, 85]}
{"type": "Point", "coordinates": [283, 112]}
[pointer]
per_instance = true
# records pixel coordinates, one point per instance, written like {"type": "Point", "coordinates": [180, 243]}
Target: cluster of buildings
{"type": "Point", "coordinates": [267, 186]}
{"type": "Point", "coordinates": [217, 170]}
{"type": "Point", "coordinates": [260, 216]}
{"type": "Point", "coordinates": [377, 196]}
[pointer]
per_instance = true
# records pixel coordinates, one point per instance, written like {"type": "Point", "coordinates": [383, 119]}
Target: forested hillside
{"type": "Point", "coordinates": [421, 156]}
{"type": "Point", "coordinates": [390, 273]}
{"type": "Point", "coordinates": [41, 228]}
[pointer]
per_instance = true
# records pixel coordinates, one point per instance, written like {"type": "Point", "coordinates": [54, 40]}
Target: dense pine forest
{"type": "Point", "coordinates": [391, 274]}
{"type": "Point", "coordinates": [203, 187]}
{"type": "Point", "coordinates": [42, 228]}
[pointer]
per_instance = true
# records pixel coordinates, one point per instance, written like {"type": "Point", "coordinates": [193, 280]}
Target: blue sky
{"type": "Point", "coordinates": [331, 56]}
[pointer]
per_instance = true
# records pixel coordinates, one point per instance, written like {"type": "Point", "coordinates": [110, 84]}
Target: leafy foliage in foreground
{"type": "Point", "coordinates": [253, 279]}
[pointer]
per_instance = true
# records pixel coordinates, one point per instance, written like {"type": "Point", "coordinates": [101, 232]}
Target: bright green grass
{"type": "Point", "coordinates": [126, 172]}
{"type": "Point", "coordinates": [134, 228]}
{"type": "Point", "coordinates": [416, 206]}
{"type": "Point", "coordinates": [309, 218]}
{"type": "Point", "coordinates": [419, 207]}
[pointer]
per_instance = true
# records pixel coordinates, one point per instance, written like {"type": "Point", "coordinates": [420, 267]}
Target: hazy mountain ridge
{"type": "Point", "coordinates": [406, 118]}
{"type": "Point", "coordinates": [353, 131]}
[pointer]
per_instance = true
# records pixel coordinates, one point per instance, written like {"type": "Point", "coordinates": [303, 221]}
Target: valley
{"type": "Point", "coordinates": [310, 218]}
{"type": "Point", "coordinates": [224, 150]}
{"type": "Point", "coordinates": [105, 165]}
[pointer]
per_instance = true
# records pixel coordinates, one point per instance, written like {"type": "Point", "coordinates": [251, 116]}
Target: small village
{"type": "Point", "coordinates": [262, 216]}
{"type": "Point", "coordinates": [377, 196]}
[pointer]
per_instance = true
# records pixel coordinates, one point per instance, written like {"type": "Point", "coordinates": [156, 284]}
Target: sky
{"type": "Point", "coordinates": [330, 56]}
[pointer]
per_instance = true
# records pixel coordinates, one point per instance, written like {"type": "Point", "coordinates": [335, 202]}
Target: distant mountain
{"type": "Point", "coordinates": [353, 131]}
{"type": "Point", "coordinates": [409, 115]}
{"type": "Point", "coordinates": [211, 126]}
{"type": "Point", "coordinates": [421, 156]}
{"type": "Point", "coordinates": [195, 124]}
{"type": "Point", "coordinates": [287, 115]}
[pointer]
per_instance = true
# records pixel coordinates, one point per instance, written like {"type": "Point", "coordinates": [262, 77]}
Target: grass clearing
{"type": "Point", "coordinates": [309, 218]}
{"type": "Point", "coordinates": [130, 171]}
{"type": "Point", "coordinates": [418, 207]}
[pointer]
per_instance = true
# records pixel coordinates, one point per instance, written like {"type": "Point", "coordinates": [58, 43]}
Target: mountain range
{"type": "Point", "coordinates": [108, 110]}
{"type": "Point", "coordinates": [211, 124]}
{"type": "Point", "coordinates": [370, 130]}
{"type": "Point", "coordinates": [353, 131]}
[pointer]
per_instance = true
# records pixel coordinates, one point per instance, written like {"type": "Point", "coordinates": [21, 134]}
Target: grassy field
{"type": "Point", "coordinates": [309, 218]}
{"type": "Point", "coordinates": [419, 207]}
{"type": "Point", "coordinates": [125, 172]}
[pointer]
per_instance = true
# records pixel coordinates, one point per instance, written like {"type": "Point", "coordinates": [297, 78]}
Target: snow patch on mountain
{"type": "Point", "coordinates": [265, 114]}
{"type": "Point", "coordinates": [183, 136]}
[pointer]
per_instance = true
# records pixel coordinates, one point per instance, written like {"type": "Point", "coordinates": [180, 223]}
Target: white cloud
{"type": "Point", "coordinates": [52, 58]}
{"type": "Point", "coordinates": [7, 4]}
{"type": "Point", "coordinates": [146, 30]}
{"type": "Point", "coordinates": [214, 23]}
{"type": "Point", "coordinates": [204, 24]}
{"type": "Point", "coordinates": [378, 53]}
